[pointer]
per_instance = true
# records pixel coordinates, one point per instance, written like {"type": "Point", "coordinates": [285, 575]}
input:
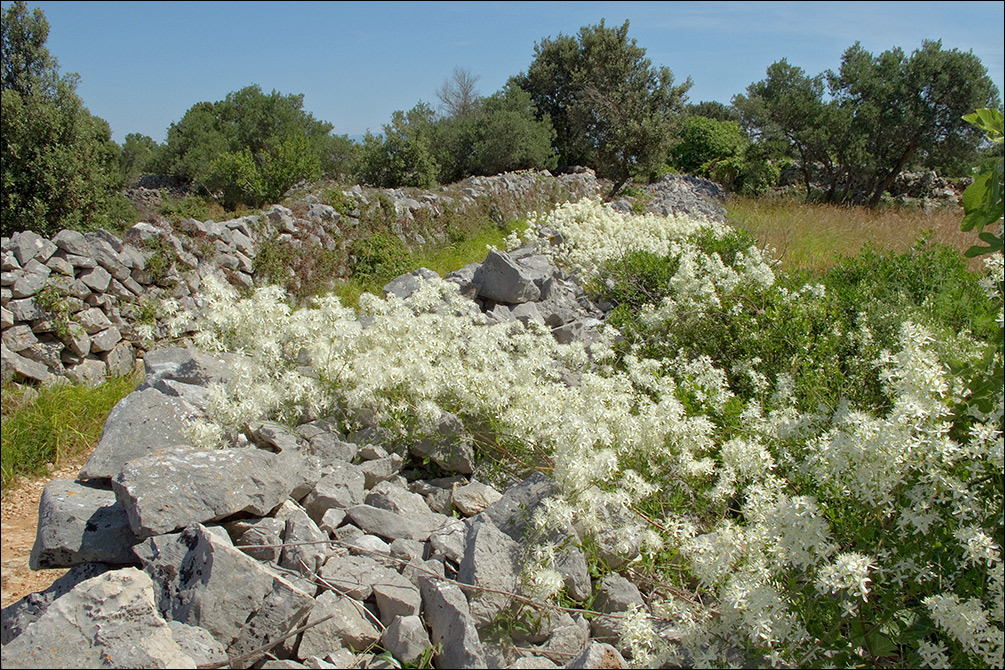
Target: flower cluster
{"type": "Point", "coordinates": [813, 514]}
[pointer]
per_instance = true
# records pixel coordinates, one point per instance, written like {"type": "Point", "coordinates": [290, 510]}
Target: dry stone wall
{"type": "Point", "coordinates": [74, 307]}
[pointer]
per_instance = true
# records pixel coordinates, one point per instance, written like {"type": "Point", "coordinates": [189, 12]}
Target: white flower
{"type": "Point", "coordinates": [849, 572]}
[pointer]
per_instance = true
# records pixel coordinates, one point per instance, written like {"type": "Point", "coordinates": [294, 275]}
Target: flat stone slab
{"type": "Point", "coordinates": [391, 526]}
{"type": "Point", "coordinates": [207, 582]}
{"type": "Point", "coordinates": [142, 422]}
{"type": "Point", "coordinates": [177, 486]}
{"type": "Point", "coordinates": [78, 524]}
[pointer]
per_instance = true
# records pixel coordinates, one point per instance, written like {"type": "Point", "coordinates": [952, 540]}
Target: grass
{"type": "Point", "coordinates": [41, 427]}
{"type": "Point", "coordinates": [443, 259]}
{"type": "Point", "coordinates": [812, 237]}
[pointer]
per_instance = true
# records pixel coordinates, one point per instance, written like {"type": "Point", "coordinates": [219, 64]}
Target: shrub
{"type": "Point", "coordinates": [805, 474]}
{"type": "Point", "coordinates": [380, 255]}
{"type": "Point", "coordinates": [250, 146]}
{"type": "Point", "coordinates": [704, 141]}
{"type": "Point", "coordinates": [403, 156]}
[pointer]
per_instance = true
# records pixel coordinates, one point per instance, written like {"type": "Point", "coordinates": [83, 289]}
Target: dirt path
{"type": "Point", "coordinates": [18, 519]}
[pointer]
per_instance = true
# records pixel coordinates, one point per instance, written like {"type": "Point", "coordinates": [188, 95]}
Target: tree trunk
{"type": "Point", "coordinates": [888, 180]}
{"type": "Point", "coordinates": [617, 188]}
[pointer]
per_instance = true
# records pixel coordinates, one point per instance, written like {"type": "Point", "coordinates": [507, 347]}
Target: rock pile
{"type": "Point", "coordinates": [678, 195]}
{"type": "Point", "coordinates": [305, 547]}
{"type": "Point", "coordinates": [317, 545]}
{"type": "Point", "coordinates": [925, 189]}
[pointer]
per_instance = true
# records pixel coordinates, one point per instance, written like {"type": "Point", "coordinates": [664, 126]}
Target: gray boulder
{"type": "Point", "coordinates": [109, 621]}
{"type": "Point", "coordinates": [144, 421]}
{"type": "Point", "coordinates": [205, 581]}
{"type": "Point", "coordinates": [188, 366]}
{"type": "Point", "coordinates": [343, 487]}
{"type": "Point", "coordinates": [598, 655]}
{"type": "Point", "coordinates": [502, 279]}
{"type": "Point", "coordinates": [205, 485]}
{"type": "Point", "coordinates": [405, 285]}
{"type": "Point", "coordinates": [78, 523]}
{"type": "Point", "coordinates": [449, 447]}
{"type": "Point", "coordinates": [15, 618]}
{"type": "Point", "coordinates": [349, 627]}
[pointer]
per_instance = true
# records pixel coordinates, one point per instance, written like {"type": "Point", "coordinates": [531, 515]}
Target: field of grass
{"type": "Point", "coordinates": [812, 237]}
{"type": "Point", "coordinates": [41, 427]}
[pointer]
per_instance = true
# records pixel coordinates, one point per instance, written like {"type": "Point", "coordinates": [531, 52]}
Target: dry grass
{"type": "Point", "coordinates": [812, 236]}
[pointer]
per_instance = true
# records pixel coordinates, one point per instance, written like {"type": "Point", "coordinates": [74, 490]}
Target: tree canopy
{"type": "Point", "coordinates": [874, 117]}
{"type": "Point", "coordinates": [60, 167]}
{"type": "Point", "coordinates": [612, 109]}
{"type": "Point", "coordinates": [251, 147]}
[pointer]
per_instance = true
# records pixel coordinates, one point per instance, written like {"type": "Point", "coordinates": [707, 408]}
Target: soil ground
{"type": "Point", "coordinates": [18, 520]}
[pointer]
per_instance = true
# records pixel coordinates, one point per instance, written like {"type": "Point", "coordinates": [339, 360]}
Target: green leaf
{"type": "Point", "coordinates": [988, 120]}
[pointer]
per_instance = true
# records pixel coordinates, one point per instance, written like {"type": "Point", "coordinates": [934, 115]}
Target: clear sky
{"type": "Point", "coordinates": [143, 64]}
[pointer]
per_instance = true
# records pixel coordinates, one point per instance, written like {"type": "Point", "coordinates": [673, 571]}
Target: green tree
{"type": "Point", "coordinates": [907, 107]}
{"type": "Point", "coordinates": [139, 156]}
{"type": "Point", "coordinates": [496, 134]}
{"type": "Point", "coordinates": [403, 155]}
{"type": "Point", "coordinates": [340, 158]}
{"type": "Point", "coordinates": [611, 108]}
{"type": "Point", "coordinates": [875, 117]}
{"type": "Point", "coordinates": [210, 146]}
{"type": "Point", "coordinates": [787, 111]}
{"type": "Point", "coordinates": [60, 167]}
{"type": "Point", "coordinates": [713, 110]}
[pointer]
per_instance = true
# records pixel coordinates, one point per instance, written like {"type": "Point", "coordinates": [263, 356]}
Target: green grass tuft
{"type": "Point", "coordinates": [40, 428]}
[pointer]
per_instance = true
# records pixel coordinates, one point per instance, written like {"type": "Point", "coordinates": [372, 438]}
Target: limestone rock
{"type": "Point", "coordinates": [204, 485]}
{"type": "Point", "coordinates": [491, 560]}
{"type": "Point", "coordinates": [502, 279]}
{"type": "Point", "coordinates": [451, 626]}
{"type": "Point", "coordinates": [142, 422]}
{"type": "Point", "coordinates": [78, 523]}
{"type": "Point", "coordinates": [406, 638]}
{"type": "Point", "coordinates": [205, 581]}
{"type": "Point", "coordinates": [106, 621]}
{"type": "Point", "coordinates": [15, 618]}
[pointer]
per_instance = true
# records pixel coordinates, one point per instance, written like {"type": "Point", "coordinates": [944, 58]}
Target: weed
{"type": "Point", "coordinates": [54, 300]}
{"type": "Point", "coordinates": [55, 422]}
{"type": "Point", "coordinates": [161, 259]}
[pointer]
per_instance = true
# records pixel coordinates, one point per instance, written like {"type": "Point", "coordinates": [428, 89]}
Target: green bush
{"type": "Point", "coordinates": [500, 133]}
{"type": "Point", "coordinates": [381, 256]}
{"type": "Point", "coordinates": [60, 167]}
{"type": "Point", "coordinates": [703, 141]}
{"type": "Point", "coordinates": [808, 338]}
{"type": "Point", "coordinates": [140, 154]}
{"type": "Point", "coordinates": [403, 155]}
{"type": "Point", "coordinates": [251, 147]}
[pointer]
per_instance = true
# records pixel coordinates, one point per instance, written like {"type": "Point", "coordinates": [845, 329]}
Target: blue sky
{"type": "Point", "coordinates": [143, 64]}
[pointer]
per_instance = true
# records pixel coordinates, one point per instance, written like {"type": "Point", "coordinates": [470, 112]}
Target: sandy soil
{"type": "Point", "coordinates": [18, 520]}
